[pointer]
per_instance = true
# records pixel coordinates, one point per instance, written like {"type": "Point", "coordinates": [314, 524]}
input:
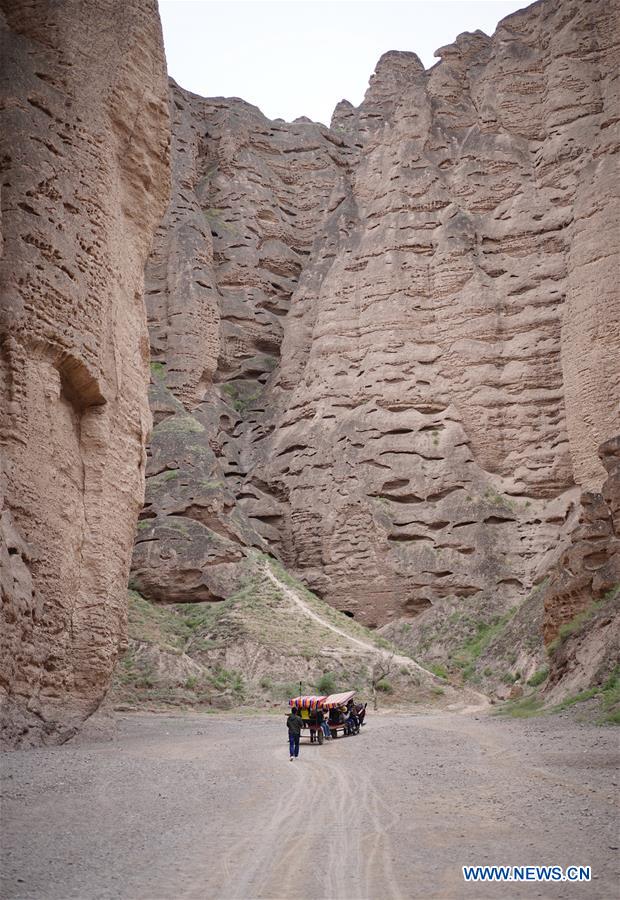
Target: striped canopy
{"type": "Point", "coordinates": [309, 702]}
{"type": "Point", "coordinates": [337, 699]}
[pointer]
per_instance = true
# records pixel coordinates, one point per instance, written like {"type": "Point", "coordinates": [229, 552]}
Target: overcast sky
{"type": "Point", "coordinates": [298, 58]}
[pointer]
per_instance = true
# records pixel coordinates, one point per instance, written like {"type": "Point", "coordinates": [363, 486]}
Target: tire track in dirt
{"type": "Point", "coordinates": [329, 833]}
{"type": "Point", "coordinates": [188, 808]}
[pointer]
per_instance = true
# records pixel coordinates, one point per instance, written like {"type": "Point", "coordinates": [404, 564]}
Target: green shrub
{"type": "Point", "coordinates": [228, 679]}
{"type": "Point", "coordinates": [538, 677]}
{"type": "Point", "coordinates": [468, 671]}
{"type": "Point", "coordinates": [326, 684]}
{"type": "Point", "coordinates": [385, 686]}
{"type": "Point", "coordinates": [438, 670]}
{"type": "Point", "coordinates": [521, 709]}
{"type": "Point", "coordinates": [158, 369]}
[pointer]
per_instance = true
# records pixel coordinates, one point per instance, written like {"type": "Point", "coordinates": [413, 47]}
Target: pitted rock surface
{"type": "Point", "coordinates": [588, 572]}
{"type": "Point", "coordinates": [419, 319]}
{"type": "Point", "coordinates": [84, 184]}
{"type": "Point", "coordinates": [249, 196]}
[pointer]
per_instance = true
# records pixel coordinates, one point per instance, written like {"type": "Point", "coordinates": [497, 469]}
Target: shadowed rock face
{"type": "Point", "coordinates": [582, 589]}
{"type": "Point", "coordinates": [85, 180]}
{"type": "Point", "coordinates": [419, 321]}
{"type": "Point", "coordinates": [589, 566]}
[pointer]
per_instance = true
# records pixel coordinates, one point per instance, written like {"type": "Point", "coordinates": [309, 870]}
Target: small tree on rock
{"type": "Point", "coordinates": [380, 670]}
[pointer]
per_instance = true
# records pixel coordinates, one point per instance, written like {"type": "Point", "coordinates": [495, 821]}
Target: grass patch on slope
{"type": "Point", "coordinates": [578, 622]}
{"type": "Point", "coordinates": [607, 695]}
{"type": "Point", "coordinates": [252, 650]}
{"type": "Point", "coordinates": [466, 658]}
{"type": "Point", "coordinates": [481, 643]}
{"type": "Point", "coordinates": [327, 612]}
{"type": "Point", "coordinates": [524, 708]}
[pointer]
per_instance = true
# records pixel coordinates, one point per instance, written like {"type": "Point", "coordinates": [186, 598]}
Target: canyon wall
{"type": "Point", "coordinates": [386, 351]}
{"type": "Point", "coordinates": [85, 181]}
{"type": "Point", "coordinates": [248, 200]}
{"type": "Point", "coordinates": [419, 326]}
{"type": "Point", "coordinates": [447, 383]}
{"type": "Point", "coordinates": [581, 590]}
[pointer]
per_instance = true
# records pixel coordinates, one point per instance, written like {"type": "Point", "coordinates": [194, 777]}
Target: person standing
{"type": "Point", "coordinates": [294, 724]}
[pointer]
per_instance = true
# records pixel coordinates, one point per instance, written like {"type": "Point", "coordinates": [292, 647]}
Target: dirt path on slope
{"type": "Point", "coordinates": [480, 700]}
{"type": "Point", "coordinates": [209, 807]}
{"type": "Point", "coordinates": [365, 645]}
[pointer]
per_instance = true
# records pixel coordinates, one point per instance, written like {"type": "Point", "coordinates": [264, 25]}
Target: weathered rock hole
{"type": "Point", "coordinates": [78, 385]}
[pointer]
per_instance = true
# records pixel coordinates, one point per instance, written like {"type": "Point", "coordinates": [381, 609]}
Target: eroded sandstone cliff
{"type": "Point", "coordinates": [84, 160]}
{"type": "Point", "coordinates": [447, 383]}
{"type": "Point", "coordinates": [419, 327]}
{"type": "Point", "coordinates": [248, 201]}
{"type": "Point", "coordinates": [582, 589]}
{"type": "Point", "coordinates": [384, 351]}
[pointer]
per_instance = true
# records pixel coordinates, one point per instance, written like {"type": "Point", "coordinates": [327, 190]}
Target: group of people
{"type": "Point", "coordinates": [351, 716]}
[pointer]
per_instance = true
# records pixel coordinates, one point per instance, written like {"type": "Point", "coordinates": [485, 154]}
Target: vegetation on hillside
{"type": "Point", "coordinates": [605, 711]}
{"type": "Point", "coordinates": [251, 650]}
{"type": "Point", "coordinates": [487, 646]}
{"type": "Point", "coordinates": [503, 654]}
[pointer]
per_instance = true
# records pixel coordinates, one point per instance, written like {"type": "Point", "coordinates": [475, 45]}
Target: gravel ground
{"type": "Point", "coordinates": [194, 806]}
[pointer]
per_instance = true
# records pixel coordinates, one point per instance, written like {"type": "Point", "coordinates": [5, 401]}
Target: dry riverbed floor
{"type": "Point", "coordinates": [209, 807]}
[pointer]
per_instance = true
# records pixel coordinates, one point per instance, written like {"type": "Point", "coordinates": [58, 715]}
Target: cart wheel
{"type": "Point", "coordinates": [334, 733]}
{"type": "Point", "coordinates": [320, 736]}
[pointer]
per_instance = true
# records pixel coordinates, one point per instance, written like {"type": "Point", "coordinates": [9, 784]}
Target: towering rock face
{"type": "Point", "coordinates": [249, 197]}
{"type": "Point", "coordinates": [450, 364]}
{"type": "Point", "coordinates": [84, 162]}
{"type": "Point", "coordinates": [419, 325]}
{"type": "Point", "coordinates": [589, 566]}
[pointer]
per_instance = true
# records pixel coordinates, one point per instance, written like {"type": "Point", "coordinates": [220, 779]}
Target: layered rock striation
{"type": "Point", "coordinates": [419, 326]}
{"type": "Point", "coordinates": [581, 591]}
{"type": "Point", "coordinates": [249, 197]}
{"type": "Point", "coordinates": [588, 568]}
{"type": "Point", "coordinates": [85, 181]}
{"type": "Point", "coordinates": [386, 351]}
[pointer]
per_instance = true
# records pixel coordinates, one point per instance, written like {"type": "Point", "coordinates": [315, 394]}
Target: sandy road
{"type": "Point", "coordinates": [210, 807]}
